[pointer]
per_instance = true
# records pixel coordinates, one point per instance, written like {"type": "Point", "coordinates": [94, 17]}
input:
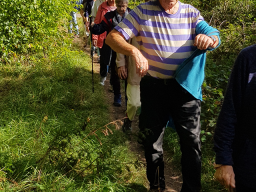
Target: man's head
{"type": "Point", "coordinates": [168, 4]}
{"type": "Point", "coordinates": [111, 2]}
{"type": "Point", "coordinates": [121, 6]}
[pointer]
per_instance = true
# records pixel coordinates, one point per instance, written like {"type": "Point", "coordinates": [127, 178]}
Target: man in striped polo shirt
{"type": "Point", "coordinates": [173, 40]}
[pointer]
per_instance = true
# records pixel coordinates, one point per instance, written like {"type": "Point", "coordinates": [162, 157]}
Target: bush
{"type": "Point", "coordinates": [26, 24]}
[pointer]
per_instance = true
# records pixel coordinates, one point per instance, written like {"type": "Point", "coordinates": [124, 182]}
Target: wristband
{"type": "Point", "coordinates": [214, 39]}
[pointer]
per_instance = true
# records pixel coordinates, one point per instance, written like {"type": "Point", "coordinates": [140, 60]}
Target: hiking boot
{"type": "Point", "coordinates": [127, 126]}
{"type": "Point", "coordinates": [158, 187]}
{"type": "Point", "coordinates": [102, 80]}
{"type": "Point", "coordinates": [117, 100]}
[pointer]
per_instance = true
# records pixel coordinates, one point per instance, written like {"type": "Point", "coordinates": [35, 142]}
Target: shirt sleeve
{"type": "Point", "coordinates": [230, 113]}
{"type": "Point", "coordinates": [120, 60]}
{"type": "Point", "coordinates": [130, 26]}
{"type": "Point", "coordinates": [97, 21]}
{"type": "Point", "coordinates": [98, 29]}
{"type": "Point", "coordinates": [94, 9]}
{"type": "Point", "coordinates": [87, 9]}
{"type": "Point", "coordinates": [197, 17]}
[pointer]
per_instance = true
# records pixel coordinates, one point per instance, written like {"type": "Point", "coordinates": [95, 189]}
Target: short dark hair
{"type": "Point", "coordinates": [121, 1]}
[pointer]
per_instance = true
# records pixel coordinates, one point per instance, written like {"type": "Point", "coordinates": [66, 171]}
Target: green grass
{"type": "Point", "coordinates": [51, 129]}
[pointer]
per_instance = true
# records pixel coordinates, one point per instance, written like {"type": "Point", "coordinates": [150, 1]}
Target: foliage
{"type": "Point", "coordinates": [49, 109]}
{"type": "Point", "coordinates": [53, 128]}
{"type": "Point", "coordinates": [24, 25]}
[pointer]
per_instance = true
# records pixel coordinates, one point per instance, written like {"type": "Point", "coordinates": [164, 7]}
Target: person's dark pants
{"type": "Point", "coordinates": [242, 188]}
{"type": "Point", "coordinates": [114, 79]}
{"type": "Point", "coordinates": [103, 65]}
{"type": "Point", "coordinates": [245, 179]}
{"type": "Point", "coordinates": [160, 99]}
{"type": "Point", "coordinates": [105, 56]}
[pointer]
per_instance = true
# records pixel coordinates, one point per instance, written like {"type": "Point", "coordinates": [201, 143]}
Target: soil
{"type": "Point", "coordinates": [172, 176]}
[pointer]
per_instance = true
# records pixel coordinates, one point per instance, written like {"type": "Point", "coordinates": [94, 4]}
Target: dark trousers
{"type": "Point", "coordinates": [161, 99]}
{"type": "Point", "coordinates": [103, 65]}
{"type": "Point", "coordinates": [114, 79]}
{"type": "Point", "coordinates": [245, 182]}
{"type": "Point", "coordinates": [105, 56]}
{"type": "Point", "coordinates": [242, 188]}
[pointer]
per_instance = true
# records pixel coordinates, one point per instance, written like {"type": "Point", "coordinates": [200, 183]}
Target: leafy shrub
{"type": "Point", "coordinates": [26, 24]}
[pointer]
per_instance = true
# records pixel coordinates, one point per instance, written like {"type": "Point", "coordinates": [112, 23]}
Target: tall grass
{"type": "Point", "coordinates": [52, 128]}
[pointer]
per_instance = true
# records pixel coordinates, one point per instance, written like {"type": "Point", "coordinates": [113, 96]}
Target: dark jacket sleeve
{"type": "Point", "coordinates": [98, 29]}
{"type": "Point", "coordinates": [230, 113]}
{"type": "Point", "coordinates": [88, 8]}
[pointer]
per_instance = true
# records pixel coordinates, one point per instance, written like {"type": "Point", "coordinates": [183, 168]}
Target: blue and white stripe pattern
{"type": "Point", "coordinates": [166, 40]}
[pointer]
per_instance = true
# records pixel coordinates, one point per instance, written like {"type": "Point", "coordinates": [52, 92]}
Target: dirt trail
{"type": "Point", "coordinates": [173, 178]}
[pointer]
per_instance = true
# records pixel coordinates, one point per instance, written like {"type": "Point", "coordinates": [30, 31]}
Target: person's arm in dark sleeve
{"type": "Point", "coordinates": [98, 29]}
{"type": "Point", "coordinates": [230, 113]}
{"type": "Point", "coordinates": [87, 9]}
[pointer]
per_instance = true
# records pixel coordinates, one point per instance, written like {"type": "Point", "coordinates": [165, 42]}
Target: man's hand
{"type": "Point", "coordinates": [94, 42]}
{"type": "Point", "coordinates": [141, 63]}
{"type": "Point", "coordinates": [122, 72]}
{"type": "Point", "coordinates": [84, 20]}
{"type": "Point", "coordinates": [225, 175]}
{"type": "Point", "coordinates": [203, 42]}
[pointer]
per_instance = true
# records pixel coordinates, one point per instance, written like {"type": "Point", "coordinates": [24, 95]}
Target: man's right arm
{"type": "Point", "coordinates": [226, 124]}
{"type": "Point", "coordinates": [118, 43]}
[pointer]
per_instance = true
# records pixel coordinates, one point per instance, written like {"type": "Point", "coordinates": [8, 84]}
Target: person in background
{"type": "Point", "coordinates": [110, 20]}
{"type": "Point", "coordinates": [173, 39]}
{"type": "Point", "coordinates": [88, 13]}
{"type": "Point", "coordinates": [127, 70]}
{"type": "Point", "coordinates": [235, 134]}
{"type": "Point", "coordinates": [95, 9]}
{"type": "Point", "coordinates": [88, 20]}
{"type": "Point", "coordinates": [74, 20]}
{"type": "Point", "coordinates": [98, 40]}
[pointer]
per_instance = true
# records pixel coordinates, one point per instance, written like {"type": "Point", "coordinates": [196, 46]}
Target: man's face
{"type": "Point", "coordinates": [168, 3]}
{"type": "Point", "coordinates": [121, 8]}
{"type": "Point", "coordinates": [110, 2]}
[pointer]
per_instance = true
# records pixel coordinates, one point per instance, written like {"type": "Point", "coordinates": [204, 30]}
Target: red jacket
{"type": "Point", "coordinates": [103, 9]}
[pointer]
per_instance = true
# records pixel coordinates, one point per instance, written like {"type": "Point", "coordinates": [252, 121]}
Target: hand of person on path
{"type": "Point", "coordinates": [122, 72]}
{"type": "Point", "coordinates": [141, 63]}
{"type": "Point", "coordinates": [225, 175]}
{"type": "Point", "coordinates": [84, 20]}
{"type": "Point", "coordinates": [94, 42]}
{"type": "Point", "coordinates": [203, 42]}
{"type": "Point", "coordinates": [87, 24]}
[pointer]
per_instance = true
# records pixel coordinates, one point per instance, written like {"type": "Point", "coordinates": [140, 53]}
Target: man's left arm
{"type": "Point", "coordinates": [207, 37]}
{"type": "Point", "coordinates": [204, 42]}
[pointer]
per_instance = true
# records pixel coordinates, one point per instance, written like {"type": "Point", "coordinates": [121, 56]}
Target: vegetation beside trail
{"type": "Point", "coordinates": [52, 134]}
{"type": "Point", "coordinates": [52, 127]}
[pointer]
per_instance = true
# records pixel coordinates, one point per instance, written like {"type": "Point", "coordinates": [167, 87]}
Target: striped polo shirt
{"type": "Point", "coordinates": [166, 40]}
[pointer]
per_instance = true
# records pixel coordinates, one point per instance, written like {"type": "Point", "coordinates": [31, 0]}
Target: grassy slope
{"type": "Point", "coordinates": [48, 113]}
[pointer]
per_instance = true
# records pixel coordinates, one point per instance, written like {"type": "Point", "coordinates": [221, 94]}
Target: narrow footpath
{"type": "Point", "coordinates": [173, 177]}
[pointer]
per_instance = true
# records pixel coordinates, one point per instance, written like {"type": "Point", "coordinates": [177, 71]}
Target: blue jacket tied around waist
{"type": "Point", "coordinates": [190, 74]}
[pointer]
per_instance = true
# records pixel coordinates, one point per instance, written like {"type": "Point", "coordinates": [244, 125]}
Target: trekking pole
{"type": "Point", "coordinates": [92, 53]}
